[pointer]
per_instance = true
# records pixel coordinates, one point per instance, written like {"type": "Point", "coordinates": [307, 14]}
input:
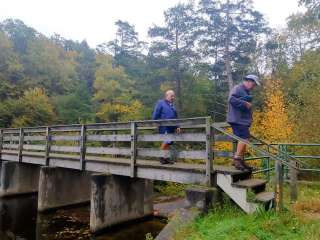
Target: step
{"type": "Point", "coordinates": [250, 183]}
{"type": "Point", "coordinates": [230, 170]}
{"type": "Point", "coordinates": [264, 197]}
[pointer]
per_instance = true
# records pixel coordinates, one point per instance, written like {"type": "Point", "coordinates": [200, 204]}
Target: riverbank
{"type": "Point", "coordinates": [299, 221]}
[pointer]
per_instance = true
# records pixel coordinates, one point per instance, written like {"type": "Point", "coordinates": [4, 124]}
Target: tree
{"type": "Point", "coordinates": [75, 107]}
{"type": "Point", "coordinates": [125, 47]}
{"type": "Point", "coordinates": [274, 123]}
{"type": "Point", "coordinates": [230, 29]}
{"type": "Point", "coordinates": [33, 109]}
{"type": "Point", "coordinates": [174, 43]}
{"type": "Point", "coordinates": [114, 92]}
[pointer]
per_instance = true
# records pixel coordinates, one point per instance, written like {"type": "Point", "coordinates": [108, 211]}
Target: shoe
{"type": "Point", "coordinates": [170, 161]}
{"type": "Point", "coordinates": [247, 166]}
{"type": "Point", "coordinates": [238, 164]}
{"type": "Point", "coordinates": [163, 161]}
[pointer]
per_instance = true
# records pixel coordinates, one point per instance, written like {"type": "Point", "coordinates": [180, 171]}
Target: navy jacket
{"type": "Point", "coordinates": [238, 113]}
{"type": "Point", "coordinates": [165, 110]}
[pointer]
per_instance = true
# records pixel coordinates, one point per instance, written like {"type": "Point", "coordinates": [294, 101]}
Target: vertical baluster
{"type": "Point", "coordinates": [268, 164]}
{"type": "Point", "coordinates": [279, 186]}
{"type": "Point", "coordinates": [209, 150]}
{"type": "Point", "coordinates": [21, 140]}
{"type": "Point", "coordinates": [1, 143]}
{"type": "Point", "coordinates": [293, 181]}
{"type": "Point", "coordinates": [48, 145]}
{"type": "Point", "coordinates": [133, 149]}
{"type": "Point", "coordinates": [82, 147]}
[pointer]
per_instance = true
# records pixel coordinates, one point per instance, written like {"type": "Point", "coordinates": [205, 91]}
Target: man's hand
{"type": "Point", "coordinates": [178, 130]}
{"type": "Point", "coordinates": [248, 105]}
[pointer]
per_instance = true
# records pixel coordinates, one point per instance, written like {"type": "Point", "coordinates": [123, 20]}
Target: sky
{"type": "Point", "coordinates": [93, 20]}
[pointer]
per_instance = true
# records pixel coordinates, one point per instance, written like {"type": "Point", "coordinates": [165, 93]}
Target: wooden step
{"type": "Point", "coordinates": [264, 197]}
{"type": "Point", "coordinates": [230, 170]}
{"type": "Point", "coordinates": [250, 183]}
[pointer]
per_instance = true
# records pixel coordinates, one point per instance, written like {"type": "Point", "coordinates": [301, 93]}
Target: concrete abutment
{"type": "Point", "coordinates": [118, 199]}
{"type": "Point", "coordinates": [18, 178]}
{"type": "Point", "coordinates": [61, 187]}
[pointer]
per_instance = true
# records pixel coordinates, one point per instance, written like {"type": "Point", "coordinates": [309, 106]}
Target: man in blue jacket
{"type": "Point", "coordinates": [165, 109]}
{"type": "Point", "coordinates": [240, 116]}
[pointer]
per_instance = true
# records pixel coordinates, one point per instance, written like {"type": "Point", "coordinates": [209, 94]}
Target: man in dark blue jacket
{"type": "Point", "coordinates": [165, 109]}
{"type": "Point", "coordinates": [240, 116]}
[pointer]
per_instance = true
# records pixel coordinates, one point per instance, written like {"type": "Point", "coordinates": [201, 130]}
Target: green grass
{"type": "Point", "coordinates": [300, 221]}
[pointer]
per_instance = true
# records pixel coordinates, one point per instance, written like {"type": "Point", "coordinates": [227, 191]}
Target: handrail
{"type": "Point", "coordinates": [272, 156]}
{"type": "Point", "coordinates": [280, 151]}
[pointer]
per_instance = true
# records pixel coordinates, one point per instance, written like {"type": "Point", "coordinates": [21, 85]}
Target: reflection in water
{"type": "Point", "coordinates": [18, 218]}
{"type": "Point", "coordinates": [19, 221]}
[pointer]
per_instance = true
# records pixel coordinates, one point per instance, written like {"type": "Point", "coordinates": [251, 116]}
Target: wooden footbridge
{"type": "Point", "coordinates": [132, 149]}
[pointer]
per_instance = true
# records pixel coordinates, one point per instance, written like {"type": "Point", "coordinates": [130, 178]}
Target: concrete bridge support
{"type": "Point", "coordinates": [61, 187]}
{"type": "Point", "coordinates": [118, 199]}
{"type": "Point", "coordinates": [18, 178]}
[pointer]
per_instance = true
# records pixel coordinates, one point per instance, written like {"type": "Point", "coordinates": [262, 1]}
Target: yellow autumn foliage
{"type": "Point", "coordinates": [273, 122]}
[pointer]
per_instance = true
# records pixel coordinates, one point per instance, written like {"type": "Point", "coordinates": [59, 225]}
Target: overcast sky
{"type": "Point", "coordinates": [93, 20]}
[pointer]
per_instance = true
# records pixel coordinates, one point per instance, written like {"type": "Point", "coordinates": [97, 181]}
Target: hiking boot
{"type": "Point", "coordinates": [238, 164]}
{"type": "Point", "coordinates": [247, 166]}
{"type": "Point", "coordinates": [163, 161]}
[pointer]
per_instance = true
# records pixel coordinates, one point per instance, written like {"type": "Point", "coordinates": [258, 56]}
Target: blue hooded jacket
{"type": "Point", "coordinates": [238, 113]}
{"type": "Point", "coordinates": [165, 110]}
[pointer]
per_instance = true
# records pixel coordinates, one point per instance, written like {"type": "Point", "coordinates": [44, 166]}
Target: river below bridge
{"type": "Point", "coordinates": [19, 220]}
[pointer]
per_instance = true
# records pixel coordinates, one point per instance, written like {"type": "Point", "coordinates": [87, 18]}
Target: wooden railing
{"type": "Point", "coordinates": [138, 140]}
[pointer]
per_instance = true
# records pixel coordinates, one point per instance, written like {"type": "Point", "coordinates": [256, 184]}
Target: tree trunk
{"type": "Point", "coordinates": [178, 73]}
{"type": "Point", "coordinates": [227, 50]}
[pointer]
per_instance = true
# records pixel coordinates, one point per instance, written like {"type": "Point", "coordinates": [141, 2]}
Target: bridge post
{"type": "Point", "coordinates": [1, 143]}
{"type": "Point", "coordinates": [279, 186]}
{"type": "Point", "coordinates": [21, 141]}
{"type": "Point", "coordinates": [61, 187]}
{"type": "Point", "coordinates": [133, 149]}
{"type": "Point", "coordinates": [209, 151]}
{"type": "Point", "coordinates": [118, 199]}
{"type": "Point", "coordinates": [18, 178]}
{"type": "Point", "coordinates": [293, 182]}
{"type": "Point", "coordinates": [47, 146]}
{"type": "Point", "coordinates": [82, 147]}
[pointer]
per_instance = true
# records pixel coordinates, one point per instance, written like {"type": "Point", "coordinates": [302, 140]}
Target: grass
{"type": "Point", "coordinates": [299, 221]}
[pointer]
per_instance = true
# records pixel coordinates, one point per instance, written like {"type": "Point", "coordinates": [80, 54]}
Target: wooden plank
{"type": "Point", "coordinates": [34, 147]}
{"type": "Point", "coordinates": [209, 151]}
{"type": "Point", "coordinates": [133, 149]}
{"type": "Point", "coordinates": [224, 154]}
{"type": "Point", "coordinates": [82, 147]}
{"type": "Point", "coordinates": [109, 138]}
{"type": "Point", "coordinates": [109, 126]}
{"type": "Point", "coordinates": [149, 152]}
{"type": "Point", "coordinates": [35, 130]}
{"type": "Point", "coordinates": [10, 146]}
{"type": "Point", "coordinates": [11, 131]}
{"type": "Point", "coordinates": [65, 138]}
{"type": "Point", "coordinates": [74, 149]}
{"type": "Point", "coordinates": [35, 138]}
{"type": "Point", "coordinates": [222, 138]}
{"type": "Point", "coordinates": [10, 138]}
{"type": "Point", "coordinates": [111, 151]}
{"type": "Point", "coordinates": [171, 122]}
{"type": "Point", "coordinates": [184, 137]}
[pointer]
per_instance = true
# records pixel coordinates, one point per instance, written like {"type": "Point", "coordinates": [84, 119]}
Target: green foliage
{"type": "Point", "coordinates": [33, 109]}
{"type": "Point", "coordinates": [231, 223]}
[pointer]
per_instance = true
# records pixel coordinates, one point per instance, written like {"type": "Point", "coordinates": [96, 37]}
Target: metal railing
{"type": "Point", "coordinates": [280, 162]}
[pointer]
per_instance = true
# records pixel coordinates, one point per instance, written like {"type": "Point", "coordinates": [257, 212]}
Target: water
{"type": "Point", "coordinates": [19, 220]}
